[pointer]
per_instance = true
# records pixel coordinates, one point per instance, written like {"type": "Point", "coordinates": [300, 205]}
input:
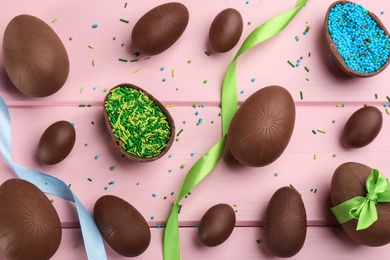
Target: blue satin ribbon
{"type": "Point", "coordinates": [92, 238]}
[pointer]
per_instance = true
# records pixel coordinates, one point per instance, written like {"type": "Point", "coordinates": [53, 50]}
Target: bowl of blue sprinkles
{"type": "Point", "coordinates": [358, 40]}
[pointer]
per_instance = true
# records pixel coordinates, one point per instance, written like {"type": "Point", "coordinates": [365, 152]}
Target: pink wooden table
{"type": "Point", "coordinates": [198, 82]}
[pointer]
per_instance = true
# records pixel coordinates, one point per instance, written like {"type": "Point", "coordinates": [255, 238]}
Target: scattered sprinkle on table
{"type": "Point", "coordinates": [123, 20]}
{"type": "Point", "coordinates": [154, 194]}
{"type": "Point", "coordinates": [291, 64]}
{"type": "Point", "coordinates": [182, 166]}
{"type": "Point", "coordinates": [95, 25]}
{"type": "Point", "coordinates": [207, 53]}
{"type": "Point", "coordinates": [54, 20]}
{"type": "Point", "coordinates": [89, 179]}
{"type": "Point", "coordinates": [112, 167]}
{"type": "Point", "coordinates": [314, 132]}
{"type": "Point", "coordinates": [320, 131]}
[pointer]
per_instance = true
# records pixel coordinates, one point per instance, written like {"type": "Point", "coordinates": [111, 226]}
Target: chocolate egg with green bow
{"type": "Point", "coordinates": [140, 126]}
{"type": "Point", "coordinates": [349, 181]}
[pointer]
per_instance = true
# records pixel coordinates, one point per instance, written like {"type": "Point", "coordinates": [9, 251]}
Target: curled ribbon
{"type": "Point", "coordinates": [229, 105]}
{"type": "Point", "coordinates": [92, 238]}
{"type": "Point", "coordinates": [364, 208]}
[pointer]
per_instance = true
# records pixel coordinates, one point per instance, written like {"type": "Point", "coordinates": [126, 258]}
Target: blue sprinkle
{"type": "Point", "coordinates": [247, 2]}
{"type": "Point", "coordinates": [192, 154]}
{"type": "Point", "coordinates": [96, 156]}
{"type": "Point", "coordinates": [343, 105]}
{"type": "Point", "coordinates": [152, 217]}
{"type": "Point", "coordinates": [162, 68]}
{"type": "Point", "coordinates": [297, 65]}
{"type": "Point", "coordinates": [203, 105]}
{"type": "Point", "coordinates": [382, 12]}
{"type": "Point", "coordinates": [385, 105]}
{"type": "Point", "coordinates": [196, 113]}
{"type": "Point", "coordinates": [196, 225]}
{"type": "Point", "coordinates": [73, 124]}
{"type": "Point", "coordinates": [158, 225]}
{"type": "Point", "coordinates": [106, 187]}
{"type": "Point", "coordinates": [94, 88]}
{"type": "Point", "coordinates": [200, 120]}
{"type": "Point", "coordinates": [154, 194]}
{"type": "Point", "coordinates": [242, 91]}
{"type": "Point", "coordinates": [298, 60]}
{"type": "Point", "coordinates": [164, 79]}
{"type": "Point", "coordinates": [170, 170]}
{"type": "Point", "coordinates": [95, 25]}
{"type": "Point", "coordinates": [304, 32]}
{"type": "Point", "coordinates": [170, 156]}
{"type": "Point", "coordinates": [253, 79]}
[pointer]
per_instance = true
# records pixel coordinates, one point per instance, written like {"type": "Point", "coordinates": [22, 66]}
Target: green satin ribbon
{"type": "Point", "coordinates": [229, 105]}
{"type": "Point", "coordinates": [364, 208]}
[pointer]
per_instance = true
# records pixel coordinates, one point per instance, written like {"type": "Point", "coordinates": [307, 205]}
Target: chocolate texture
{"type": "Point", "coordinates": [362, 127]}
{"type": "Point", "coordinates": [29, 225]}
{"type": "Point", "coordinates": [160, 28]}
{"type": "Point", "coordinates": [122, 226]}
{"type": "Point", "coordinates": [262, 126]}
{"type": "Point", "coordinates": [56, 142]}
{"type": "Point", "coordinates": [349, 181]}
{"type": "Point", "coordinates": [217, 225]}
{"type": "Point", "coordinates": [285, 223]}
{"type": "Point", "coordinates": [35, 59]}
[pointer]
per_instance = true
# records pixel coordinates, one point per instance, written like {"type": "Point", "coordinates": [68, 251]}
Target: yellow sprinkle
{"type": "Point", "coordinates": [177, 89]}
{"type": "Point", "coordinates": [315, 156]}
{"type": "Point", "coordinates": [54, 20]}
{"type": "Point", "coordinates": [339, 105]}
{"type": "Point", "coordinates": [74, 247]}
{"type": "Point", "coordinates": [387, 111]}
{"type": "Point", "coordinates": [90, 46]}
{"type": "Point", "coordinates": [169, 105]}
{"type": "Point", "coordinates": [93, 62]}
{"type": "Point", "coordinates": [136, 71]}
{"type": "Point", "coordinates": [235, 205]}
{"type": "Point", "coordinates": [81, 90]}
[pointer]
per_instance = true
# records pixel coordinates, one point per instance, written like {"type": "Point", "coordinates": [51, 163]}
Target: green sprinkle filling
{"type": "Point", "coordinates": [140, 125]}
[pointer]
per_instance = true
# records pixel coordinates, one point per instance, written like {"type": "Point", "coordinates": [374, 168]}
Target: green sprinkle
{"type": "Point", "coordinates": [388, 98]}
{"type": "Point", "coordinates": [70, 38]}
{"type": "Point", "coordinates": [307, 79]}
{"type": "Point", "coordinates": [333, 121]}
{"type": "Point", "coordinates": [376, 96]}
{"type": "Point", "coordinates": [189, 61]}
{"type": "Point", "coordinates": [334, 155]}
{"type": "Point", "coordinates": [315, 156]}
{"type": "Point", "coordinates": [194, 105]}
{"type": "Point", "coordinates": [182, 166]}
{"type": "Point", "coordinates": [181, 130]}
{"type": "Point", "coordinates": [89, 179]}
{"type": "Point", "coordinates": [320, 131]}
{"type": "Point", "coordinates": [258, 241]}
{"type": "Point", "coordinates": [306, 69]}
{"type": "Point", "coordinates": [112, 167]}
{"type": "Point", "coordinates": [54, 20]}
{"type": "Point", "coordinates": [123, 60]}
{"type": "Point", "coordinates": [140, 125]}
{"type": "Point", "coordinates": [249, 23]}
{"type": "Point", "coordinates": [123, 20]}
{"type": "Point", "coordinates": [314, 132]}
{"type": "Point", "coordinates": [82, 105]}
{"type": "Point", "coordinates": [114, 38]}
{"type": "Point", "coordinates": [125, 5]}
{"type": "Point", "coordinates": [93, 62]}
{"type": "Point", "coordinates": [136, 54]}
{"type": "Point", "coordinates": [81, 90]}
{"type": "Point", "coordinates": [309, 54]}
{"type": "Point", "coordinates": [177, 139]}
{"type": "Point", "coordinates": [207, 53]}
{"type": "Point", "coordinates": [89, 105]}
{"type": "Point", "coordinates": [69, 185]}
{"type": "Point", "coordinates": [295, 189]}
{"type": "Point", "coordinates": [276, 174]}
{"type": "Point", "coordinates": [179, 210]}
{"type": "Point", "coordinates": [52, 200]}
{"type": "Point", "coordinates": [134, 60]}
{"type": "Point", "coordinates": [301, 95]}
{"type": "Point", "coordinates": [172, 193]}
{"type": "Point", "coordinates": [205, 81]}
{"type": "Point", "coordinates": [291, 64]}
{"type": "Point", "coordinates": [105, 90]}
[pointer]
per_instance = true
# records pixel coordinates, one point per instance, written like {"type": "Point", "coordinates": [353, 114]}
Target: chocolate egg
{"type": "Point", "coordinates": [362, 127]}
{"type": "Point", "coordinates": [285, 223]}
{"type": "Point", "coordinates": [226, 30]}
{"type": "Point", "coordinates": [29, 225]}
{"type": "Point", "coordinates": [56, 142]}
{"type": "Point", "coordinates": [122, 226]}
{"type": "Point", "coordinates": [217, 225]}
{"type": "Point", "coordinates": [262, 127]}
{"type": "Point", "coordinates": [357, 39]}
{"type": "Point", "coordinates": [160, 28]}
{"type": "Point", "coordinates": [140, 126]}
{"type": "Point", "coordinates": [349, 181]}
{"type": "Point", "coordinates": [35, 59]}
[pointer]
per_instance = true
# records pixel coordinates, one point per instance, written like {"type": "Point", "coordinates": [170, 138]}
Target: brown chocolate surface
{"type": "Point", "coordinates": [56, 142]}
{"type": "Point", "coordinates": [122, 226]}
{"type": "Point", "coordinates": [35, 59]}
{"type": "Point", "coordinates": [285, 223]}
{"type": "Point", "coordinates": [29, 225]}
{"type": "Point", "coordinates": [226, 30]}
{"type": "Point", "coordinates": [160, 28]}
{"type": "Point", "coordinates": [217, 225]}
{"type": "Point", "coordinates": [262, 127]}
{"type": "Point", "coordinates": [349, 181]}
{"type": "Point", "coordinates": [362, 127]}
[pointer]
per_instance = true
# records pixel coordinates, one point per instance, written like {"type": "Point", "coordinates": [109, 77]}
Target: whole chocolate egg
{"type": "Point", "coordinates": [262, 127]}
{"type": "Point", "coordinates": [35, 59]}
{"type": "Point", "coordinates": [122, 226]}
{"type": "Point", "coordinates": [226, 30]}
{"type": "Point", "coordinates": [217, 225]}
{"type": "Point", "coordinates": [29, 225]}
{"type": "Point", "coordinates": [349, 181]}
{"type": "Point", "coordinates": [362, 127]}
{"type": "Point", "coordinates": [160, 28]}
{"type": "Point", "coordinates": [285, 223]}
{"type": "Point", "coordinates": [56, 142]}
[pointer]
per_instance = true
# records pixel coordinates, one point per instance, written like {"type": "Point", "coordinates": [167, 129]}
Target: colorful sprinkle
{"type": "Point", "coordinates": [154, 194]}
{"type": "Point", "coordinates": [123, 60]}
{"type": "Point", "coordinates": [291, 64]}
{"type": "Point", "coordinates": [123, 20]}
{"type": "Point", "coordinates": [54, 20]}
{"type": "Point", "coordinates": [95, 25]}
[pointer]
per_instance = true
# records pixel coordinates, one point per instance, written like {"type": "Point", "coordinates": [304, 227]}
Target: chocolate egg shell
{"type": "Point", "coordinates": [226, 30]}
{"type": "Point", "coordinates": [217, 225]}
{"type": "Point", "coordinates": [118, 142]}
{"type": "Point", "coordinates": [122, 226]}
{"type": "Point", "coordinates": [262, 127]}
{"type": "Point", "coordinates": [35, 59]}
{"type": "Point", "coordinates": [335, 53]}
{"type": "Point", "coordinates": [349, 181]}
{"type": "Point", "coordinates": [362, 127]}
{"type": "Point", "coordinates": [160, 28]}
{"type": "Point", "coordinates": [29, 225]}
{"type": "Point", "coordinates": [56, 142]}
{"type": "Point", "coordinates": [285, 223]}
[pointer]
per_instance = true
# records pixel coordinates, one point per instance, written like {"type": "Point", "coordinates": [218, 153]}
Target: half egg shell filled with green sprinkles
{"type": "Point", "coordinates": [140, 126]}
{"type": "Point", "coordinates": [358, 40]}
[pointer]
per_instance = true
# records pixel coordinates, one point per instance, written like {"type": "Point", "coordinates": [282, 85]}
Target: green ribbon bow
{"type": "Point", "coordinates": [364, 208]}
{"type": "Point", "coordinates": [229, 105]}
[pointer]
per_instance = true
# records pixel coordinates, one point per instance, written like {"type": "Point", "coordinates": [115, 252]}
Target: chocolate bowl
{"type": "Point", "coordinates": [136, 132]}
{"type": "Point", "coordinates": [335, 52]}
